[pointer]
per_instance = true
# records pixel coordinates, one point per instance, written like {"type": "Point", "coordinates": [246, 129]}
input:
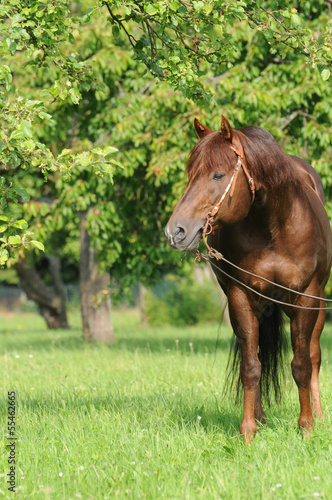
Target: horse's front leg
{"type": "Point", "coordinates": [246, 328]}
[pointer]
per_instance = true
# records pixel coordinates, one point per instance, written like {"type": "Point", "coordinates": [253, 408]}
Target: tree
{"type": "Point", "coordinates": [95, 309]}
{"type": "Point", "coordinates": [37, 33]}
{"type": "Point", "coordinates": [254, 60]}
{"type": "Point", "coordinates": [174, 38]}
{"type": "Point", "coordinates": [51, 302]}
{"type": "Point", "coordinates": [82, 192]}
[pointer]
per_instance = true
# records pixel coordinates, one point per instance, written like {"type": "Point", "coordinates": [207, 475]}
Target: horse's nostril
{"type": "Point", "coordinates": [179, 234]}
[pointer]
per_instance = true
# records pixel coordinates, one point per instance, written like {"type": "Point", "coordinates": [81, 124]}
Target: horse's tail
{"type": "Point", "coordinates": [272, 347]}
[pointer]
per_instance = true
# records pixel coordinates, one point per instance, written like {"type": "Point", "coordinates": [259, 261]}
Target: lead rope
{"type": "Point", "coordinates": [214, 254]}
{"type": "Point", "coordinates": [200, 256]}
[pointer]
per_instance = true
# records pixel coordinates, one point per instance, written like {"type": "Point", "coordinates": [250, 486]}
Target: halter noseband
{"type": "Point", "coordinates": [241, 162]}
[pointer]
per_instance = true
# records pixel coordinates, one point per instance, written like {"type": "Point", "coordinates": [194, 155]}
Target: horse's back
{"type": "Point", "coordinates": [310, 176]}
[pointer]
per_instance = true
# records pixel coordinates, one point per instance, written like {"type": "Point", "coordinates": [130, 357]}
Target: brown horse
{"type": "Point", "coordinates": [271, 225]}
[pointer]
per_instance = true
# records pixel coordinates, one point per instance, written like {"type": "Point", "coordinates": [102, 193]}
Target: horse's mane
{"type": "Point", "coordinates": [267, 162]}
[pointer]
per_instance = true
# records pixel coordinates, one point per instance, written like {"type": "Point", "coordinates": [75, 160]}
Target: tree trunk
{"type": "Point", "coordinates": [95, 303]}
{"type": "Point", "coordinates": [54, 265]}
{"type": "Point", "coordinates": [51, 303]}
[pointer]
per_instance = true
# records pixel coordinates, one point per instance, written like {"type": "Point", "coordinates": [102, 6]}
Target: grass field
{"type": "Point", "coordinates": [146, 418]}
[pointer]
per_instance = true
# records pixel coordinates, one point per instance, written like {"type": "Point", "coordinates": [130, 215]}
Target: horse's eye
{"type": "Point", "coordinates": [217, 176]}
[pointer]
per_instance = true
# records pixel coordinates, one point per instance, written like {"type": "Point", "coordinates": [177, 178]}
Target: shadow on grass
{"type": "Point", "coordinates": [41, 340]}
{"type": "Point", "coordinates": [203, 338]}
{"type": "Point", "coordinates": [155, 411]}
{"type": "Point", "coordinates": [163, 412]}
{"type": "Point", "coordinates": [188, 344]}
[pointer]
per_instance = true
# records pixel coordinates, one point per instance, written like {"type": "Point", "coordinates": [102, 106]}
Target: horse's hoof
{"type": "Point", "coordinates": [248, 438]}
{"type": "Point", "coordinates": [248, 433]}
{"type": "Point", "coordinates": [306, 427]}
{"type": "Point", "coordinates": [306, 433]}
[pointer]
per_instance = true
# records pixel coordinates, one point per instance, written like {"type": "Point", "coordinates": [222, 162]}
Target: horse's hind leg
{"type": "Point", "coordinates": [302, 325]}
{"type": "Point", "coordinates": [315, 356]}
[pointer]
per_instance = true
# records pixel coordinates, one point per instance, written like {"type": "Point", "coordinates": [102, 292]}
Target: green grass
{"type": "Point", "coordinates": [146, 418]}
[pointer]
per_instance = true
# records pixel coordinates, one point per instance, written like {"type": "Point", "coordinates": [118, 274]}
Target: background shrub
{"type": "Point", "coordinates": [182, 301]}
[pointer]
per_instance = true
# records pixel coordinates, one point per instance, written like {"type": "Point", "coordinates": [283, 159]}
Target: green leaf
{"type": "Point", "coordinates": [22, 192]}
{"type": "Point", "coordinates": [285, 13]}
{"type": "Point", "coordinates": [3, 228]}
{"type": "Point", "coordinates": [5, 74]}
{"type": "Point", "coordinates": [26, 128]}
{"type": "Point", "coordinates": [296, 19]}
{"type": "Point", "coordinates": [14, 240]}
{"type": "Point", "coordinates": [32, 103]}
{"type": "Point", "coordinates": [44, 115]}
{"type": "Point", "coordinates": [325, 74]}
{"type": "Point", "coordinates": [55, 88]}
{"type": "Point", "coordinates": [151, 9]}
{"type": "Point", "coordinates": [208, 9]}
{"type": "Point", "coordinates": [64, 152]}
{"type": "Point", "coordinates": [97, 151]}
{"type": "Point", "coordinates": [22, 33]}
{"type": "Point", "coordinates": [3, 217]}
{"type": "Point", "coordinates": [117, 163]}
{"type": "Point", "coordinates": [198, 5]}
{"type": "Point", "coordinates": [156, 68]}
{"type": "Point", "coordinates": [63, 95]}
{"type": "Point", "coordinates": [115, 31]}
{"type": "Point", "coordinates": [3, 256]}
{"type": "Point", "coordinates": [38, 244]}
{"type": "Point", "coordinates": [87, 16]}
{"type": "Point", "coordinates": [16, 134]}
{"type": "Point", "coordinates": [21, 224]}
{"type": "Point", "coordinates": [75, 95]}
{"type": "Point", "coordinates": [108, 150]}
{"type": "Point", "coordinates": [83, 159]}
{"type": "Point", "coordinates": [4, 10]}
{"type": "Point", "coordinates": [11, 45]}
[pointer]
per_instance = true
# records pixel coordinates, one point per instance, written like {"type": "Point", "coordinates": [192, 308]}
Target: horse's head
{"type": "Point", "coordinates": [213, 169]}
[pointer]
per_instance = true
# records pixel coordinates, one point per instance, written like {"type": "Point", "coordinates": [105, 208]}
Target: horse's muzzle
{"type": "Point", "coordinates": [180, 239]}
{"type": "Point", "coordinates": [175, 237]}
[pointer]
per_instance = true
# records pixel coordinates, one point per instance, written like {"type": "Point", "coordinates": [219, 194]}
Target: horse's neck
{"type": "Point", "coordinates": [271, 210]}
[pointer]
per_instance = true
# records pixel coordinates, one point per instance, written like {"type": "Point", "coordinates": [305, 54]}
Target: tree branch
{"type": "Point", "coordinates": [120, 23]}
{"type": "Point", "coordinates": [292, 117]}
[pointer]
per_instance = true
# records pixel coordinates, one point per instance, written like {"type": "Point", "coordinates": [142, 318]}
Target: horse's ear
{"type": "Point", "coordinates": [201, 130]}
{"type": "Point", "coordinates": [226, 129]}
